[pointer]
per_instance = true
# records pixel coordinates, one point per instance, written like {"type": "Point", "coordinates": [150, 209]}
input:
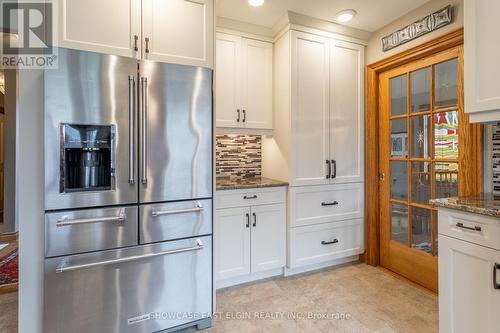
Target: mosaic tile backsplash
{"type": "Point", "coordinates": [238, 155]}
{"type": "Point", "coordinates": [496, 159]}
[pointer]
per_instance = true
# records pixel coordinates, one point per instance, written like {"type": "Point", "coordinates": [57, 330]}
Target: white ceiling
{"type": "Point", "coordinates": [372, 14]}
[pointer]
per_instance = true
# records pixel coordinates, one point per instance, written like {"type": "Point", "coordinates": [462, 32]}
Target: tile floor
{"type": "Point", "coordinates": [8, 312]}
{"type": "Point", "coordinates": [374, 300]}
{"type": "Point", "coordinates": [370, 299]}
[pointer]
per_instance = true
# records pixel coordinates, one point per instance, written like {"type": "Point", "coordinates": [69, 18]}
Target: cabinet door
{"type": "Point", "coordinates": [346, 111]}
{"type": "Point", "coordinates": [481, 69]}
{"type": "Point", "coordinates": [227, 80]}
{"type": "Point", "coordinates": [86, 25]}
{"type": "Point", "coordinates": [310, 104]}
{"type": "Point", "coordinates": [232, 242]}
{"type": "Point", "coordinates": [178, 31]}
{"type": "Point", "coordinates": [257, 82]}
{"type": "Point", "coordinates": [268, 237]}
{"type": "Point", "coordinates": [468, 301]}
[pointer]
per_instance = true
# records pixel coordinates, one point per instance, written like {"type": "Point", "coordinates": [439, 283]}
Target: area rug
{"type": "Point", "coordinates": [9, 268]}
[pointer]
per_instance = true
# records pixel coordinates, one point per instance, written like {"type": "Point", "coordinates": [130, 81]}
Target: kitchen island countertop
{"type": "Point", "coordinates": [484, 204]}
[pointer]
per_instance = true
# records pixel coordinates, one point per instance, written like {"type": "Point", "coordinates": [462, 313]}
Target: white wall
{"type": "Point", "coordinates": [374, 49]}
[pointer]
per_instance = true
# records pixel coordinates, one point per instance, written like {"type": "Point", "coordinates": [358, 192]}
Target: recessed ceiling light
{"type": "Point", "coordinates": [345, 15]}
{"type": "Point", "coordinates": [256, 3]}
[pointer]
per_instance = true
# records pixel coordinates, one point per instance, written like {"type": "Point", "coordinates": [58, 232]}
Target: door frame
{"type": "Point", "coordinates": [372, 190]}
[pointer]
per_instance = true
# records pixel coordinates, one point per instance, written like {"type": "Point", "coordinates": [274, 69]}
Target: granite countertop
{"type": "Point", "coordinates": [230, 183]}
{"type": "Point", "coordinates": [484, 204]}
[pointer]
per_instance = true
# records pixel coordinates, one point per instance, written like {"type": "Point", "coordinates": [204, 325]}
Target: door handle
{"type": "Point", "coordinates": [238, 118]}
{"type": "Point", "coordinates": [65, 221]}
{"type": "Point", "coordinates": [244, 115]}
{"type": "Point", "coordinates": [144, 115]}
{"type": "Point", "coordinates": [329, 169]}
{"type": "Point", "coordinates": [496, 267]}
{"type": "Point", "coordinates": [334, 164]}
{"type": "Point", "coordinates": [334, 203]}
{"type": "Point", "coordinates": [131, 120]}
{"type": "Point", "coordinates": [254, 219]}
{"type": "Point", "coordinates": [136, 39]}
{"type": "Point", "coordinates": [61, 269]}
{"type": "Point", "coordinates": [462, 226]}
{"type": "Point", "coordinates": [147, 44]}
{"type": "Point", "coordinates": [196, 209]}
{"type": "Point", "coordinates": [248, 220]}
{"type": "Point", "coordinates": [335, 241]}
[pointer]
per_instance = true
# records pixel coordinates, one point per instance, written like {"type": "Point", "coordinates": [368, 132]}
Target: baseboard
{"type": "Point", "coordinates": [248, 278]}
{"type": "Point", "coordinates": [315, 267]}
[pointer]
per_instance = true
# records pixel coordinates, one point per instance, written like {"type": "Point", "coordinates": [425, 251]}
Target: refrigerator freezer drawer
{"type": "Point", "coordinates": [90, 230]}
{"type": "Point", "coordinates": [141, 289]}
{"type": "Point", "coordinates": [161, 222]}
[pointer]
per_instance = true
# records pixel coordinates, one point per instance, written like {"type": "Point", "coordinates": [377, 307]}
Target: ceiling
{"type": "Point", "coordinates": [372, 14]}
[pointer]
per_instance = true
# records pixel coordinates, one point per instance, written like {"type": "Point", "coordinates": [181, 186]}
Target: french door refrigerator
{"type": "Point", "coordinates": [128, 195]}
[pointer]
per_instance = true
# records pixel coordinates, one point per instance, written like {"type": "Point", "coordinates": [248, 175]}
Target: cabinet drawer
{"type": "Point", "coordinates": [322, 204]}
{"type": "Point", "coordinates": [474, 228]}
{"type": "Point", "coordinates": [324, 242]}
{"type": "Point", "coordinates": [250, 197]}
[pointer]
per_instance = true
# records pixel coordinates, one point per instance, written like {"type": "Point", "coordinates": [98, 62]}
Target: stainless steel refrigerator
{"type": "Point", "coordinates": [128, 195]}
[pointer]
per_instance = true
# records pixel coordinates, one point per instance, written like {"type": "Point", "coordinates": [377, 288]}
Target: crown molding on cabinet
{"type": "Point", "coordinates": [304, 23]}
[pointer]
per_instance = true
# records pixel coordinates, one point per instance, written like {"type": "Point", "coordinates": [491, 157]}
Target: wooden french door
{"type": "Point", "coordinates": [426, 146]}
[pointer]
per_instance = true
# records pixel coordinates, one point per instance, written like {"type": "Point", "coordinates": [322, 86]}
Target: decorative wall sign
{"type": "Point", "coordinates": [421, 27]}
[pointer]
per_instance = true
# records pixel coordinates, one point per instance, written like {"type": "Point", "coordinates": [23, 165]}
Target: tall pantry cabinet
{"type": "Point", "coordinates": [317, 144]}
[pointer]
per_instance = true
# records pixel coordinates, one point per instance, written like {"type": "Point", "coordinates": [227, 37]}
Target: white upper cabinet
{"type": "Point", "coordinates": [227, 80]}
{"type": "Point", "coordinates": [310, 97]}
{"type": "Point", "coordinates": [111, 26]}
{"type": "Point", "coordinates": [178, 31]}
{"type": "Point", "coordinates": [243, 82]}
{"type": "Point", "coordinates": [481, 54]}
{"type": "Point", "coordinates": [257, 83]}
{"type": "Point", "coordinates": [346, 112]}
{"type": "Point", "coordinates": [173, 31]}
{"type": "Point", "coordinates": [327, 110]}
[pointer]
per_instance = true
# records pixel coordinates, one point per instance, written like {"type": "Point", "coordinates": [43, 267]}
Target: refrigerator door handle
{"type": "Point", "coordinates": [196, 209]}
{"type": "Point", "coordinates": [62, 268]}
{"type": "Point", "coordinates": [65, 221]}
{"type": "Point", "coordinates": [144, 114]}
{"type": "Point", "coordinates": [131, 114]}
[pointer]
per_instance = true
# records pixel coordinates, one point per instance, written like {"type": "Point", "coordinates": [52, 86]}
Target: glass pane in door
{"type": "Point", "coordinates": [399, 138]}
{"type": "Point", "coordinates": [421, 90]}
{"type": "Point", "coordinates": [446, 179]}
{"type": "Point", "coordinates": [420, 182]}
{"type": "Point", "coordinates": [421, 229]}
{"type": "Point", "coordinates": [446, 84]}
{"type": "Point", "coordinates": [420, 136]}
{"type": "Point", "coordinates": [399, 95]}
{"type": "Point", "coordinates": [399, 223]}
{"type": "Point", "coordinates": [446, 135]}
{"type": "Point", "coordinates": [399, 180]}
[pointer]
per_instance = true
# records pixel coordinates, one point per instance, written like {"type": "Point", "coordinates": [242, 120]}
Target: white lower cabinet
{"type": "Point", "coordinates": [250, 240]}
{"type": "Point", "coordinates": [325, 242]}
{"type": "Point", "coordinates": [232, 242]}
{"type": "Point", "coordinates": [469, 275]}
